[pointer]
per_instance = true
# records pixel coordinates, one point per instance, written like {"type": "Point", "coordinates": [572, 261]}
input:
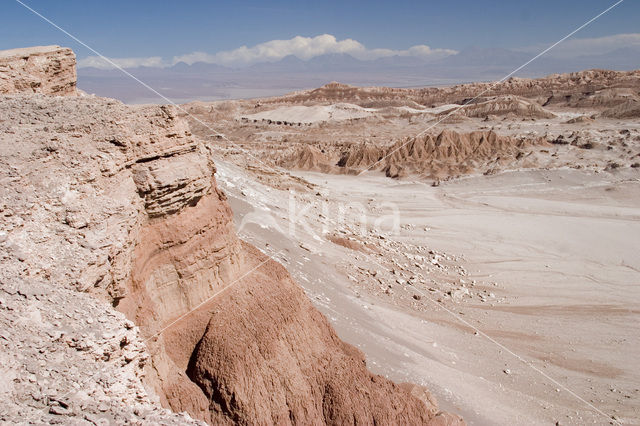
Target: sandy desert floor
{"type": "Point", "coordinates": [509, 287]}
{"type": "Point", "coordinates": [513, 297]}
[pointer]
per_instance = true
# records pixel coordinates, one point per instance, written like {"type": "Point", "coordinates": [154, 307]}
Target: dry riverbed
{"type": "Point", "coordinates": [513, 297]}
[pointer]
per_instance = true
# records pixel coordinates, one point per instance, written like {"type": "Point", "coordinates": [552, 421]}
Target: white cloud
{"type": "Point", "coordinates": [309, 47]}
{"type": "Point", "coordinates": [101, 63]}
{"type": "Point", "coordinates": [589, 46]}
{"type": "Point", "coordinates": [303, 47]}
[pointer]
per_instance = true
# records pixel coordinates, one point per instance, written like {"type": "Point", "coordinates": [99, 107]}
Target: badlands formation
{"type": "Point", "coordinates": [580, 120]}
{"type": "Point", "coordinates": [126, 294]}
{"type": "Point", "coordinates": [480, 239]}
{"type": "Point", "coordinates": [184, 264]}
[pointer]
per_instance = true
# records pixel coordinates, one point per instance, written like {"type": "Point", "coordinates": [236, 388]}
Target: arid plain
{"type": "Point", "coordinates": [333, 256]}
{"type": "Point", "coordinates": [494, 258]}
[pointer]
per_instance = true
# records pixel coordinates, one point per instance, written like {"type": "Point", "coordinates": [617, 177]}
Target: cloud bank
{"type": "Point", "coordinates": [304, 48]}
{"type": "Point", "coordinates": [307, 48]}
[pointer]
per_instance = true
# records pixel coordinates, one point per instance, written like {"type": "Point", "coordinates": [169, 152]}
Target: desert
{"type": "Point", "coordinates": [514, 243]}
{"type": "Point", "coordinates": [344, 254]}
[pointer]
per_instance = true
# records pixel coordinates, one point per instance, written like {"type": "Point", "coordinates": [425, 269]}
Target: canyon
{"type": "Point", "coordinates": [478, 239]}
{"type": "Point", "coordinates": [337, 255]}
{"type": "Point", "coordinates": [127, 295]}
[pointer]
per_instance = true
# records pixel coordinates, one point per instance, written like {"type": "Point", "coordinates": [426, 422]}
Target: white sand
{"type": "Point", "coordinates": [562, 248]}
{"type": "Point", "coordinates": [312, 114]}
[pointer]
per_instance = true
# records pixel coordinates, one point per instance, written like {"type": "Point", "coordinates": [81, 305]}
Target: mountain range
{"type": "Point", "coordinates": [204, 81]}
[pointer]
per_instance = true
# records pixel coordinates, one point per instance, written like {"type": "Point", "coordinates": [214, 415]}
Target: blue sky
{"type": "Point", "coordinates": [170, 28]}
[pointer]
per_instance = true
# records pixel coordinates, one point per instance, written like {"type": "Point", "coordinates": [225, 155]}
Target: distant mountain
{"type": "Point", "coordinates": [183, 82]}
{"type": "Point", "coordinates": [403, 61]}
{"type": "Point", "coordinates": [329, 63]}
{"type": "Point", "coordinates": [289, 63]}
{"type": "Point", "coordinates": [337, 62]}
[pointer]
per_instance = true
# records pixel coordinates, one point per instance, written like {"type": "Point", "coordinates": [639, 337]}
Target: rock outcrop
{"type": "Point", "coordinates": [451, 153]}
{"type": "Point", "coordinates": [604, 98]}
{"type": "Point", "coordinates": [448, 153]}
{"type": "Point", "coordinates": [127, 209]}
{"type": "Point", "coordinates": [504, 105]}
{"type": "Point", "coordinates": [107, 205]}
{"type": "Point", "coordinates": [308, 158]}
{"type": "Point", "coordinates": [625, 110]}
{"type": "Point", "coordinates": [71, 221]}
{"type": "Point", "coordinates": [49, 70]}
{"type": "Point", "coordinates": [361, 155]}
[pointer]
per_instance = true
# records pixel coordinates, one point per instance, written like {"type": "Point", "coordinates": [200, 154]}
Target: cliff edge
{"type": "Point", "coordinates": [112, 211]}
{"type": "Point", "coordinates": [50, 70]}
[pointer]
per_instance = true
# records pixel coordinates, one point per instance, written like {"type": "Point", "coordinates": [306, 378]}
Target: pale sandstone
{"type": "Point", "coordinates": [108, 205]}
{"type": "Point", "coordinates": [50, 70]}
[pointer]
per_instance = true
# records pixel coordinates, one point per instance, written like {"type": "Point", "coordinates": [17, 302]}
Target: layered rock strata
{"type": "Point", "coordinates": [109, 206]}
{"type": "Point", "coordinates": [49, 70]}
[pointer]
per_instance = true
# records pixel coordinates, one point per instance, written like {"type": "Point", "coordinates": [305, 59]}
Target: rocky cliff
{"type": "Point", "coordinates": [71, 219]}
{"type": "Point", "coordinates": [111, 210]}
{"type": "Point", "coordinates": [49, 70]}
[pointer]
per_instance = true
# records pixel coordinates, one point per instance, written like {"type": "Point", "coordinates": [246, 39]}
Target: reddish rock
{"type": "Point", "coordinates": [269, 357]}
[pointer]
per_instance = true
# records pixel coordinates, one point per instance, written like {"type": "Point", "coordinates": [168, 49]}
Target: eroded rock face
{"type": "Point", "coordinates": [448, 153]}
{"type": "Point", "coordinates": [169, 184]}
{"type": "Point", "coordinates": [504, 105]}
{"type": "Point", "coordinates": [108, 205]}
{"type": "Point", "coordinates": [278, 361]}
{"type": "Point", "coordinates": [119, 202]}
{"type": "Point", "coordinates": [71, 219]}
{"type": "Point", "coordinates": [255, 350]}
{"type": "Point", "coordinates": [50, 70]}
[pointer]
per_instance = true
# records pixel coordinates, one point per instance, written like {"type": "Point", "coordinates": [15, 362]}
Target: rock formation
{"type": "Point", "coordinates": [448, 153]}
{"type": "Point", "coordinates": [361, 155]}
{"type": "Point", "coordinates": [107, 205]}
{"type": "Point", "coordinates": [50, 70]}
{"type": "Point", "coordinates": [503, 105]}
{"type": "Point", "coordinates": [553, 89]}
{"type": "Point", "coordinates": [451, 153]}
{"type": "Point", "coordinates": [308, 158]}
{"type": "Point", "coordinates": [71, 221]}
{"type": "Point", "coordinates": [278, 361]}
